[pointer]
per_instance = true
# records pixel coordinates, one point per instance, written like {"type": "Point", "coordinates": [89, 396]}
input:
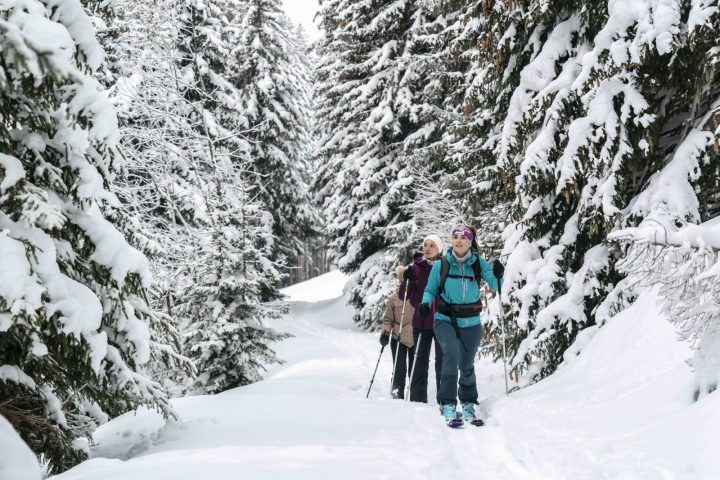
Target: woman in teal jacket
{"type": "Point", "coordinates": [457, 321]}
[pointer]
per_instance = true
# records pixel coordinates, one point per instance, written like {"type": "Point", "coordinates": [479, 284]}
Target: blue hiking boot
{"type": "Point", "coordinates": [468, 413]}
{"type": "Point", "coordinates": [448, 411]}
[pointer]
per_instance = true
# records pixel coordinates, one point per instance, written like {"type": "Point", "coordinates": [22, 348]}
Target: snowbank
{"type": "Point", "coordinates": [17, 462]}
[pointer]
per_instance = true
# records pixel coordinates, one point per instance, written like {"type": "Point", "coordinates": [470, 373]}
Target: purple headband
{"type": "Point", "coordinates": [462, 230]}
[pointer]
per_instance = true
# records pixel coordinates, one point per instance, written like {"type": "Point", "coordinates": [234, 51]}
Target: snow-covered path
{"type": "Point", "coordinates": [618, 411]}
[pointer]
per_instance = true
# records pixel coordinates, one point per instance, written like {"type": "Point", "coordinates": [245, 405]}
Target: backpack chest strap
{"type": "Point", "coordinates": [466, 277]}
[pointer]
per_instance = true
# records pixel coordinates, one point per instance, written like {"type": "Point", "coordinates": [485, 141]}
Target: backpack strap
{"type": "Point", "coordinates": [444, 269]}
{"type": "Point", "coordinates": [477, 272]}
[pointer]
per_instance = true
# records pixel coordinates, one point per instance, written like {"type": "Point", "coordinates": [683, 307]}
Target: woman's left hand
{"type": "Point", "coordinates": [498, 269]}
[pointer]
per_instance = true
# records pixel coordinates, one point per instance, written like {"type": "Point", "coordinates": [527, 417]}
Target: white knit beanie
{"type": "Point", "coordinates": [436, 240]}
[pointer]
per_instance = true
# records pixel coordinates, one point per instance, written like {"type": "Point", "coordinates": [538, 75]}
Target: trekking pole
{"type": "Point", "coordinates": [502, 328]}
{"type": "Point", "coordinates": [376, 367]}
{"type": "Point", "coordinates": [397, 350]}
{"type": "Point", "coordinates": [412, 370]}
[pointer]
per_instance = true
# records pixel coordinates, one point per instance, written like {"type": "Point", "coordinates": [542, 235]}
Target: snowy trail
{"type": "Point", "coordinates": [602, 416]}
{"type": "Point", "coordinates": [308, 419]}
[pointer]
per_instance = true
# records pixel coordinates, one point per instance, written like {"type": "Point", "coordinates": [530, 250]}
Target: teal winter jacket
{"type": "Point", "coordinates": [459, 290]}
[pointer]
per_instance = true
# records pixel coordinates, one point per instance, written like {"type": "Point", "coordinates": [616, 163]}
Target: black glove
{"type": "Point", "coordinates": [409, 273]}
{"type": "Point", "coordinates": [424, 310]}
{"type": "Point", "coordinates": [385, 339]}
{"type": "Point", "coordinates": [498, 269]}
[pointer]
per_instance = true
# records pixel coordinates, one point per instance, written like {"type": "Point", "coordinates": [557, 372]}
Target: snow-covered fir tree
{"type": "Point", "coordinates": [75, 325]}
{"type": "Point", "coordinates": [676, 245]}
{"type": "Point", "coordinates": [359, 78]}
{"type": "Point", "coordinates": [231, 272]}
{"type": "Point", "coordinates": [208, 32]}
{"type": "Point", "coordinates": [273, 84]}
{"type": "Point", "coordinates": [587, 125]}
{"type": "Point", "coordinates": [226, 337]}
{"type": "Point", "coordinates": [310, 259]}
{"type": "Point", "coordinates": [474, 81]}
{"type": "Point", "coordinates": [378, 109]}
{"type": "Point", "coordinates": [468, 91]}
{"type": "Point", "coordinates": [540, 46]}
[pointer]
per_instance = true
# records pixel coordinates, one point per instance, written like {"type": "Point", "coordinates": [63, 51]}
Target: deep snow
{"type": "Point", "coordinates": [622, 409]}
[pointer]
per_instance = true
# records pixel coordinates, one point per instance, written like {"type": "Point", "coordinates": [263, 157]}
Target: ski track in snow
{"type": "Point", "coordinates": [604, 415]}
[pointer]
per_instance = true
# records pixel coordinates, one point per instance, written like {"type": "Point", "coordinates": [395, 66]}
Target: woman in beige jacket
{"type": "Point", "coordinates": [391, 322]}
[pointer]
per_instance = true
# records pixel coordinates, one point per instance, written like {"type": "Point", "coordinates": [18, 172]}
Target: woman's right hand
{"type": "Point", "coordinates": [409, 273]}
{"type": "Point", "coordinates": [404, 273]}
{"type": "Point", "coordinates": [385, 338]}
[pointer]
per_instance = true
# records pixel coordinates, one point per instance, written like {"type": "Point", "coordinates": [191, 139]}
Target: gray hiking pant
{"type": "Point", "coordinates": [456, 359]}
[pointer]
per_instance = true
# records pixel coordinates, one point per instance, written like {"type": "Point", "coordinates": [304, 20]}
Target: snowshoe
{"type": "Point", "coordinates": [452, 419]}
{"type": "Point", "coordinates": [455, 423]}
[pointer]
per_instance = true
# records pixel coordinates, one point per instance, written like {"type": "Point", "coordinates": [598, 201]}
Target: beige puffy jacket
{"type": "Point", "coordinates": [391, 320]}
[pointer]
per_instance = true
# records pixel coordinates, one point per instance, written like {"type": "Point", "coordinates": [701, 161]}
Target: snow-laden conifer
{"type": "Point", "coordinates": [273, 84]}
{"type": "Point", "coordinates": [675, 247]}
{"type": "Point", "coordinates": [225, 335]}
{"type": "Point", "coordinates": [586, 127]}
{"type": "Point", "coordinates": [231, 271]}
{"type": "Point", "coordinates": [378, 104]}
{"type": "Point", "coordinates": [360, 78]}
{"type": "Point", "coordinates": [75, 324]}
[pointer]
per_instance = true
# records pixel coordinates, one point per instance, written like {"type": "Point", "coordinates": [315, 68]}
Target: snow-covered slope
{"type": "Point", "coordinates": [620, 410]}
